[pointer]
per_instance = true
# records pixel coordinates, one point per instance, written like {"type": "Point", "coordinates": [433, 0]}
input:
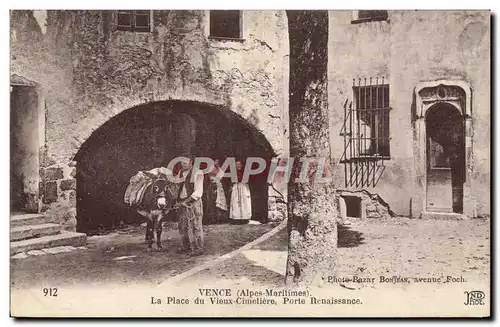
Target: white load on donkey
{"type": "Point", "coordinates": [153, 194]}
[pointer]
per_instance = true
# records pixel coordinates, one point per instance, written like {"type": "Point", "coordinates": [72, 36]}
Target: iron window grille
{"type": "Point", "coordinates": [371, 109]}
{"type": "Point", "coordinates": [366, 132]}
{"type": "Point", "coordinates": [134, 20]}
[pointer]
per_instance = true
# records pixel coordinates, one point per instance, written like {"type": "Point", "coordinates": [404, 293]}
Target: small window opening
{"type": "Point", "coordinates": [353, 206]}
{"type": "Point", "coordinates": [134, 20]}
{"type": "Point", "coordinates": [225, 24]}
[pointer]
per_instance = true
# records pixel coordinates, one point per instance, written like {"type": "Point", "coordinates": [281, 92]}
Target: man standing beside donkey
{"type": "Point", "coordinates": [190, 208]}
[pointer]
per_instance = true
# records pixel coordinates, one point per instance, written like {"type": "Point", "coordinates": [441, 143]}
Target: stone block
{"type": "Point", "coordinates": [50, 192]}
{"type": "Point", "coordinates": [68, 184]}
{"type": "Point", "coordinates": [57, 249]}
{"type": "Point", "coordinates": [271, 203]}
{"type": "Point", "coordinates": [50, 160]}
{"type": "Point", "coordinates": [69, 218]}
{"type": "Point", "coordinates": [45, 207]}
{"type": "Point", "coordinates": [36, 252]}
{"type": "Point", "coordinates": [53, 174]}
{"type": "Point", "coordinates": [72, 198]}
{"type": "Point", "coordinates": [21, 255]}
{"type": "Point", "coordinates": [274, 216]}
{"type": "Point", "coordinates": [281, 207]}
{"type": "Point", "coordinates": [34, 244]}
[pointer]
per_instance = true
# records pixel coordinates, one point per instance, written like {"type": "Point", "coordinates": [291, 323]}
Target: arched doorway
{"type": "Point", "coordinates": [443, 152]}
{"type": "Point", "coordinates": [149, 136]}
{"type": "Point", "coordinates": [445, 158]}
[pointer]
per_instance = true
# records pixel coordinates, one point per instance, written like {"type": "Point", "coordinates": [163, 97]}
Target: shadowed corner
{"type": "Point", "coordinates": [347, 237]}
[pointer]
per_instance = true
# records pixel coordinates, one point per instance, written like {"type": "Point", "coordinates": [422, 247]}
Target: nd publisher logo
{"type": "Point", "coordinates": [474, 298]}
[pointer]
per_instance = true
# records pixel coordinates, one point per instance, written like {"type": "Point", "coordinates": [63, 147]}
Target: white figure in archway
{"type": "Point", "coordinates": [241, 202]}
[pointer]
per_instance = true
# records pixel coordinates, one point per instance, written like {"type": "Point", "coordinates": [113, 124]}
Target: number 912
{"type": "Point", "coordinates": [50, 291]}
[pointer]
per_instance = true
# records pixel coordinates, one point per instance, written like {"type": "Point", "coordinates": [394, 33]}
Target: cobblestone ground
{"type": "Point", "coordinates": [373, 248]}
{"type": "Point", "coordinates": [121, 258]}
{"type": "Point", "coordinates": [367, 248]}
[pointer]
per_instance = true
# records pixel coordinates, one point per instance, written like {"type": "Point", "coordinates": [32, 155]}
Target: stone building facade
{"type": "Point", "coordinates": [97, 101]}
{"type": "Point", "coordinates": [410, 110]}
{"type": "Point", "coordinates": [104, 84]}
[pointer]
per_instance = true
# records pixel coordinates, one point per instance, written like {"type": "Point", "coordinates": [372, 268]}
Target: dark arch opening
{"type": "Point", "coordinates": [445, 149]}
{"type": "Point", "coordinates": [149, 136]}
{"type": "Point", "coordinates": [353, 206]}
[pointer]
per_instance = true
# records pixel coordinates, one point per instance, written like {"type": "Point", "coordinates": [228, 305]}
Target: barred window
{"type": "Point", "coordinates": [371, 112]}
{"type": "Point", "coordinates": [134, 20]}
{"type": "Point", "coordinates": [225, 24]}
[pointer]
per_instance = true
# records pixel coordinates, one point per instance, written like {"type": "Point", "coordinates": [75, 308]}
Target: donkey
{"type": "Point", "coordinates": [158, 205]}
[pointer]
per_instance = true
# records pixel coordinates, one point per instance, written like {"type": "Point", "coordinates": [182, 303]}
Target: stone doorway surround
{"type": "Point", "coordinates": [458, 93]}
{"type": "Point", "coordinates": [28, 124]}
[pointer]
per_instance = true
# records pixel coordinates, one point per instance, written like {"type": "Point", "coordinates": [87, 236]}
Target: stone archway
{"type": "Point", "coordinates": [148, 136]}
{"type": "Point", "coordinates": [432, 100]}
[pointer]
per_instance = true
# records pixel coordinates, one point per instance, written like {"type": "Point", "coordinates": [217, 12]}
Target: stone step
{"type": "Point", "coordinates": [443, 215]}
{"type": "Point", "coordinates": [63, 238]}
{"type": "Point", "coordinates": [23, 219]}
{"type": "Point", "coordinates": [30, 231]}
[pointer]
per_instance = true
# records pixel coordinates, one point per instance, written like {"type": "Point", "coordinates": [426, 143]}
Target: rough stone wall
{"type": "Point", "coordinates": [114, 70]}
{"type": "Point", "coordinates": [90, 71]}
{"type": "Point", "coordinates": [413, 46]}
{"type": "Point", "coordinates": [59, 191]}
